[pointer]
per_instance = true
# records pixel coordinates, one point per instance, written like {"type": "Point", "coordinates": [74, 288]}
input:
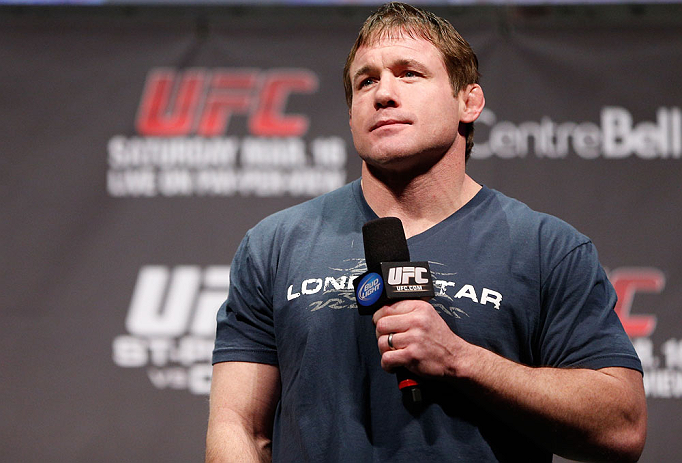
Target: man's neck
{"type": "Point", "coordinates": [420, 202]}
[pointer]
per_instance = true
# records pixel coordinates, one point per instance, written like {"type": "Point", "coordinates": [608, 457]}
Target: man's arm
{"type": "Point", "coordinates": [243, 400]}
{"type": "Point", "coordinates": [594, 415]}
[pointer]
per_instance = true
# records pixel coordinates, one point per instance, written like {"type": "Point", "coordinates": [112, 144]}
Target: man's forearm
{"type": "Point", "coordinates": [594, 415]}
{"type": "Point", "coordinates": [228, 443]}
{"type": "Point", "coordinates": [243, 401]}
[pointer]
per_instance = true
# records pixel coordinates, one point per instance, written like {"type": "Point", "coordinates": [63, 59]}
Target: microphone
{"type": "Point", "coordinates": [391, 277]}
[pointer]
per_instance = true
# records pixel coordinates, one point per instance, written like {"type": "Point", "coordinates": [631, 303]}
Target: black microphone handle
{"type": "Point", "coordinates": [410, 389]}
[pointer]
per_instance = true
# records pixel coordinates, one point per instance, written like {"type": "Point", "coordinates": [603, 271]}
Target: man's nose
{"type": "Point", "coordinates": [386, 94]}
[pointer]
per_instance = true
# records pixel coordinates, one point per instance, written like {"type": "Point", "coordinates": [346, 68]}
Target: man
{"type": "Point", "coordinates": [521, 352]}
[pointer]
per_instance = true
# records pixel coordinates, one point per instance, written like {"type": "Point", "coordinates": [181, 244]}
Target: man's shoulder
{"type": "Point", "coordinates": [526, 223]}
{"type": "Point", "coordinates": [329, 206]}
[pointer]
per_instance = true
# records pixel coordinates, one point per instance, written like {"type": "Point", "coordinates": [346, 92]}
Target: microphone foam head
{"type": "Point", "coordinates": [384, 240]}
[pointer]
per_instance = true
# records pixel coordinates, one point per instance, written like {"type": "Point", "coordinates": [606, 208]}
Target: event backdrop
{"type": "Point", "coordinates": [137, 146]}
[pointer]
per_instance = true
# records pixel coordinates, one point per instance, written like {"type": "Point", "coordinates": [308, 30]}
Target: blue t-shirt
{"type": "Point", "coordinates": [522, 284]}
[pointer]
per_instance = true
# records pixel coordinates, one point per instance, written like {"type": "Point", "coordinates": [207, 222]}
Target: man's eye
{"type": "Point", "coordinates": [365, 82]}
{"type": "Point", "coordinates": [410, 74]}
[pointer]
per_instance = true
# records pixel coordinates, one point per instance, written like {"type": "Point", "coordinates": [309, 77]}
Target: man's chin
{"type": "Point", "coordinates": [397, 165]}
{"type": "Point", "coordinates": [390, 162]}
{"type": "Point", "coordinates": [387, 156]}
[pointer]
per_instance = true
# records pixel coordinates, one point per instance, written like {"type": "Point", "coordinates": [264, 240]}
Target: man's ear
{"type": "Point", "coordinates": [472, 103]}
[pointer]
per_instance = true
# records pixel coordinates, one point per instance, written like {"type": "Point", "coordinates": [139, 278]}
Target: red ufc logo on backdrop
{"type": "Point", "coordinates": [627, 282]}
{"type": "Point", "coordinates": [201, 101]}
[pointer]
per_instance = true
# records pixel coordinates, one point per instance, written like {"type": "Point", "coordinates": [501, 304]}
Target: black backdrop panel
{"type": "Point", "coordinates": [139, 145]}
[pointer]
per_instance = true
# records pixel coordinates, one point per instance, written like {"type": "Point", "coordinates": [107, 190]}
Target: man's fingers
{"type": "Point", "coordinates": [398, 308]}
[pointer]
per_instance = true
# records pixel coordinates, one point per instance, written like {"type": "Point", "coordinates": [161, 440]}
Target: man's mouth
{"type": "Point", "coordinates": [386, 122]}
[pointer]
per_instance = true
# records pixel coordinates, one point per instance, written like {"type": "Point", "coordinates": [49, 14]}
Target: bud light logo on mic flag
{"type": "Point", "coordinates": [370, 289]}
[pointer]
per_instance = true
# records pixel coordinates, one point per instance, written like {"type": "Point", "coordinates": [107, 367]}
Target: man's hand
{"type": "Point", "coordinates": [422, 341]}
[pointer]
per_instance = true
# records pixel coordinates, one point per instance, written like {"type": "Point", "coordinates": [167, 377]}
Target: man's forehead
{"type": "Point", "coordinates": [395, 33]}
{"type": "Point", "coordinates": [402, 39]}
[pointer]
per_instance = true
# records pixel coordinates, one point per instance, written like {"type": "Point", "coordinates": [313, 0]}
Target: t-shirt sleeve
{"type": "Point", "coordinates": [245, 329]}
{"type": "Point", "coordinates": [579, 327]}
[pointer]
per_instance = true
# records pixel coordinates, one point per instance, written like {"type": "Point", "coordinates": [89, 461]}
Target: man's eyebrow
{"type": "Point", "coordinates": [410, 63]}
{"type": "Point", "coordinates": [362, 71]}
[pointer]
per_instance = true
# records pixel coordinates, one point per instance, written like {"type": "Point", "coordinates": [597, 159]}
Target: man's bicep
{"type": "Point", "coordinates": [245, 394]}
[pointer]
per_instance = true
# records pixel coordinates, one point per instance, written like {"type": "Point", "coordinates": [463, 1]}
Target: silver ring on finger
{"type": "Point", "coordinates": [390, 341]}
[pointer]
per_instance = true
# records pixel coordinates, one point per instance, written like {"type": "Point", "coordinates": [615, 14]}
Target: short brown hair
{"type": "Point", "coordinates": [459, 58]}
